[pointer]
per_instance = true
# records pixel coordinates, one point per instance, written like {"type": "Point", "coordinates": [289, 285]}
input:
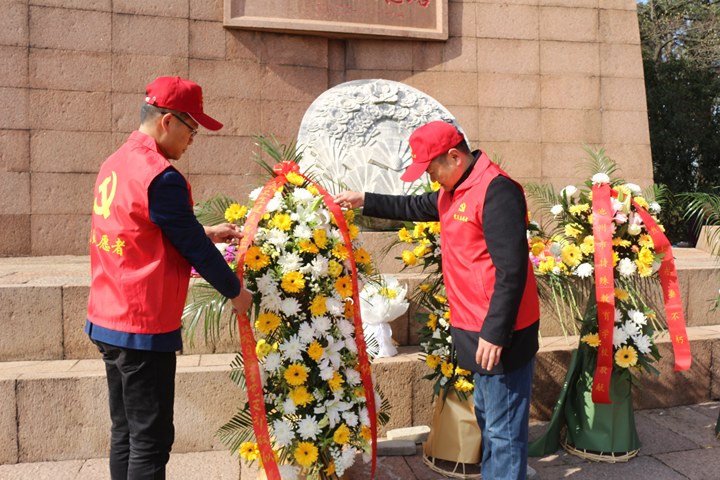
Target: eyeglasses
{"type": "Point", "coordinates": [193, 131]}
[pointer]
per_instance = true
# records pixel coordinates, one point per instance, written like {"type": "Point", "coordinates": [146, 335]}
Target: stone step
{"type": "Point", "coordinates": [43, 302]}
{"type": "Point", "coordinates": [57, 410]}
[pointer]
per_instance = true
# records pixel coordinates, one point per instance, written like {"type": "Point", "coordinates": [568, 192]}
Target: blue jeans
{"type": "Point", "coordinates": [502, 408]}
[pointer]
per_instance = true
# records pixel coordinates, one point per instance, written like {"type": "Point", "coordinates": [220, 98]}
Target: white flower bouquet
{"type": "Point", "coordinates": [382, 301]}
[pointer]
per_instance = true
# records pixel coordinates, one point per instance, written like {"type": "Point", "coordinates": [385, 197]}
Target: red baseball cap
{"type": "Point", "coordinates": [427, 143]}
{"type": "Point", "coordinates": [180, 95]}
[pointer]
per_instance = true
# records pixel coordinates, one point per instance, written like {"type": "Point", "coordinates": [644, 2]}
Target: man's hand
{"type": "Point", "coordinates": [242, 302]}
{"type": "Point", "coordinates": [223, 233]}
{"type": "Point", "coordinates": [487, 354]}
{"type": "Point", "coordinates": [350, 199]}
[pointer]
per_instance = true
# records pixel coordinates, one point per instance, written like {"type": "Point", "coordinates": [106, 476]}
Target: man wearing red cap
{"type": "Point", "coordinates": [144, 240]}
{"type": "Point", "coordinates": [488, 277]}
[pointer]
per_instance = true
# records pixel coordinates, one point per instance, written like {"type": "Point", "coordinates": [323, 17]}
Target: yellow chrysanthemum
{"type": "Point", "coordinates": [626, 357]}
{"type": "Point", "coordinates": [349, 309]}
{"type": "Point", "coordinates": [537, 248]}
{"type": "Point", "coordinates": [621, 294]}
{"type": "Point", "coordinates": [235, 212]}
{"type": "Point", "coordinates": [440, 299]}
{"type": "Point", "coordinates": [644, 270]}
{"type": "Point", "coordinates": [616, 258]}
{"type": "Point", "coordinates": [642, 202]}
{"type": "Point", "coordinates": [336, 382]}
{"type": "Point", "coordinates": [282, 221]}
{"type": "Point", "coordinates": [349, 215]}
{"type": "Point", "coordinates": [463, 385]}
{"type": "Point", "coordinates": [315, 350]}
{"type": "Point", "coordinates": [343, 285]}
{"type": "Point", "coordinates": [295, 375]}
{"type": "Point", "coordinates": [362, 256]}
{"type": "Point", "coordinates": [295, 179]}
{"type": "Point", "coordinates": [420, 251]}
{"type": "Point", "coordinates": [300, 396]}
{"type": "Point", "coordinates": [306, 454]}
{"type": "Point", "coordinates": [434, 227]}
{"type": "Point", "coordinates": [334, 268]}
{"type": "Point", "coordinates": [353, 231]}
{"type": "Point", "coordinates": [330, 469]}
{"type": "Point", "coordinates": [588, 245]}
{"type": "Point", "coordinates": [547, 265]}
{"type": "Point", "coordinates": [646, 256]}
{"type": "Point", "coordinates": [293, 282]}
{"type": "Point", "coordinates": [388, 292]}
{"type": "Point", "coordinates": [318, 306]}
{"type": "Point", "coordinates": [571, 255]}
{"type": "Point", "coordinates": [341, 435]}
{"type": "Point", "coordinates": [446, 315]}
{"type": "Point", "coordinates": [425, 287]}
{"type": "Point", "coordinates": [267, 322]}
{"type": "Point", "coordinates": [307, 246]}
{"type": "Point", "coordinates": [432, 361]}
{"type": "Point", "coordinates": [572, 230]}
{"type": "Point", "coordinates": [320, 238]}
{"type": "Point", "coordinates": [447, 369]}
{"type": "Point", "coordinates": [419, 230]}
{"type": "Point", "coordinates": [313, 189]}
{"type": "Point", "coordinates": [579, 208]}
{"type": "Point", "coordinates": [365, 432]}
{"type": "Point", "coordinates": [249, 451]}
{"type": "Point", "coordinates": [409, 258]}
{"type": "Point", "coordinates": [255, 259]}
{"type": "Point", "coordinates": [404, 235]}
{"type": "Point", "coordinates": [262, 348]}
{"type": "Point", "coordinates": [462, 372]}
{"type": "Point", "coordinates": [646, 240]}
{"type": "Point", "coordinates": [432, 321]}
{"type": "Point", "coordinates": [340, 252]}
{"type": "Point", "coordinates": [620, 242]}
{"type": "Point", "coordinates": [591, 339]}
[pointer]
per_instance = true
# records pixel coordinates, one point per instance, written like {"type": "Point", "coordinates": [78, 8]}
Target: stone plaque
{"type": "Point", "coordinates": [412, 19]}
{"type": "Point", "coordinates": [355, 135]}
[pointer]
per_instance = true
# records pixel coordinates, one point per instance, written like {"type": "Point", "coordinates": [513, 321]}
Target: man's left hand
{"type": "Point", "coordinates": [487, 354]}
{"type": "Point", "coordinates": [223, 233]}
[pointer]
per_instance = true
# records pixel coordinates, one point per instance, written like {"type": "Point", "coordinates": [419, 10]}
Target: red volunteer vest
{"type": "Point", "coordinates": [468, 270]}
{"type": "Point", "coordinates": [139, 280]}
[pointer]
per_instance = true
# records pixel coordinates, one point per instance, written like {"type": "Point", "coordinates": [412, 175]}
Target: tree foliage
{"type": "Point", "coordinates": [681, 57]}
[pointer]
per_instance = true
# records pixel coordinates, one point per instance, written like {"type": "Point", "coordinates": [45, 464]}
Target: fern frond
{"type": "Point", "coordinates": [599, 162]}
{"type": "Point", "coordinates": [204, 309]}
{"type": "Point", "coordinates": [212, 211]}
{"type": "Point", "coordinates": [237, 430]}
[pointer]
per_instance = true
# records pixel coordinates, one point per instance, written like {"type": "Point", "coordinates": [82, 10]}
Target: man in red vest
{"type": "Point", "coordinates": [144, 240]}
{"type": "Point", "coordinates": [488, 277]}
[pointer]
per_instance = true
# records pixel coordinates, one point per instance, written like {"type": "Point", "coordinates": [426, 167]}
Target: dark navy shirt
{"type": "Point", "coordinates": [170, 209]}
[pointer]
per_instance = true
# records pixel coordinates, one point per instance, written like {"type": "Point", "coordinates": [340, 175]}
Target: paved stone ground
{"type": "Point", "coordinates": [677, 444]}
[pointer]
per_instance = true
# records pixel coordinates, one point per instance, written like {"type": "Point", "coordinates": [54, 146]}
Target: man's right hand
{"type": "Point", "coordinates": [242, 302]}
{"type": "Point", "coordinates": [350, 199]}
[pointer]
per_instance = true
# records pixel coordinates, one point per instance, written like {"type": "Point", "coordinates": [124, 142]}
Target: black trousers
{"type": "Point", "coordinates": [141, 386]}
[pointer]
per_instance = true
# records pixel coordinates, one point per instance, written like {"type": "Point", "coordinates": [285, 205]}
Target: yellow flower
{"type": "Point", "coordinates": [249, 451]}
{"type": "Point", "coordinates": [341, 435]}
{"type": "Point", "coordinates": [334, 268]}
{"type": "Point", "coordinates": [616, 258]}
{"type": "Point", "coordinates": [419, 230]}
{"type": "Point", "coordinates": [295, 375]}
{"type": "Point", "coordinates": [365, 432]}
{"type": "Point", "coordinates": [235, 212]}
{"type": "Point", "coordinates": [432, 361]}
{"type": "Point", "coordinates": [646, 256]}
{"type": "Point", "coordinates": [420, 250]}
{"type": "Point", "coordinates": [330, 469]}
{"type": "Point", "coordinates": [621, 294]}
{"type": "Point", "coordinates": [579, 208]}
{"type": "Point", "coordinates": [349, 215]}
{"type": "Point", "coordinates": [646, 240]}
{"type": "Point", "coordinates": [538, 248]}
{"type": "Point", "coordinates": [307, 246]}
{"type": "Point", "coordinates": [626, 357]}
{"type": "Point", "coordinates": [571, 230]}
{"type": "Point", "coordinates": [340, 252]}
{"type": "Point", "coordinates": [349, 309]}
{"type": "Point", "coordinates": [320, 238]}
{"type": "Point", "coordinates": [362, 256]}
{"type": "Point", "coordinates": [353, 231]}
{"type": "Point", "coordinates": [313, 189]}
{"type": "Point", "coordinates": [425, 287]}
{"type": "Point", "coordinates": [255, 259]}
{"type": "Point", "coordinates": [315, 350]}
{"type": "Point", "coordinates": [547, 265]}
{"type": "Point", "coordinates": [644, 270]}
{"type": "Point", "coordinates": [447, 369]}
{"type": "Point", "coordinates": [336, 382]}
{"type": "Point", "coordinates": [295, 178]}
{"type": "Point", "coordinates": [343, 285]}
{"type": "Point", "coordinates": [591, 339]}
{"type": "Point", "coordinates": [440, 299]}
{"type": "Point", "coordinates": [571, 255]}
{"type": "Point", "coordinates": [293, 282]}
{"type": "Point", "coordinates": [388, 292]}
{"type": "Point", "coordinates": [588, 245]}
{"type": "Point", "coordinates": [306, 454]}
{"type": "Point", "coordinates": [620, 242]}
{"type": "Point", "coordinates": [462, 371]}
{"type": "Point", "coordinates": [262, 348]}
{"type": "Point", "coordinates": [404, 235]}
{"type": "Point", "coordinates": [642, 202]}
{"type": "Point", "coordinates": [267, 322]}
{"type": "Point", "coordinates": [300, 396]}
{"type": "Point", "coordinates": [432, 321]}
{"type": "Point", "coordinates": [282, 221]}
{"type": "Point", "coordinates": [409, 258]}
{"type": "Point", "coordinates": [318, 306]}
{"type": "Point", "coordinates": [446, 315]}
{"type": "Point", "coordinates": [463, 385]}
{"type": "Point", "coordinates": [434, 227]}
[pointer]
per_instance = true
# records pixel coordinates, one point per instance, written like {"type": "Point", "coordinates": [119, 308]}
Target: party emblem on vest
{"type": "Point", "coordinates": [461, 209]}
{"type": "Point", "coordinates": [106, 197]}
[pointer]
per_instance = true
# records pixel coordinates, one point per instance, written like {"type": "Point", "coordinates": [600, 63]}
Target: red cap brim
{"type": "Point", "coordinates": [206, 121]}
{"type": "Point", "coordinates": [414, 171]}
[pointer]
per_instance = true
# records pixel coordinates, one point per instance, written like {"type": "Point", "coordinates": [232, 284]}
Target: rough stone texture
{"type": "Point", "coordinates": [74, 230]}
{"type": "Point", "coordinates": [101, 5]}
{"type": "Point", "coordinates": [417, 434]}
{"type": "Point", "coordinates": [14, 235]}
{"type": "Point", "coordinates": [73, 111]}
{"type": "Point", "coordinates": [8, 425]}
{"type": "Point", "coordinates": [15, 69]}
{"type": "Point", "coordinates": [131, 73]}
{"type": "Point", "coordinates": [14, 108]}
{"type": "Point", "coordinates": [509, 90]}
{"type": "Point", "coordinates": [206, 9]}
{"type": "Point", "coordinates": [56, 151]}
{"type": "Point", "coordinates": [69, 70]}
{"type": "Point", "coordinates": [32, 323]}
{"type": "Point", "coordinates": [238, 80]}
{"type": "Point", "coordinates": [51, 195]}
{"type": "Point", "coordinates": [568, 24]}
{"type": "Point", "coordinates": [69, 29]}
{"type": "Point", "coordinates": [550, 371]}
{"type": "Point", "coordinates": [14, 151]}
{"type": "Point", "coordinates": [507, 21]}
{"type": "Point", "coordinates": [76, 343]}
{"type": "Point", "coordinates": [511, 124]}
{"type": "Point", "coordinates": [388, 448]}
{"type": "Point", "coordinates": [389, 373]}
{"type": "Point", "coordinates": [206, 40]}
{"type": "Point", "coordinates": [576, 92]}
{"type": "Point", "coordinates": [15, 24]}
{"type": "Point", "coordinates": [164, 8]}
{"type": "Point", "coordinates": [617, 26]}
{"type": "Point", "coordinates": [139, 34]}
{"type": "Point", "coordinates": [14, 192]}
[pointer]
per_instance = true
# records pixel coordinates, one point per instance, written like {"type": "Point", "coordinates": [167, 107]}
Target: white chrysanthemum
{"type": "Point", "coordinates": [290, 306]}
{"type": "Point", "coordinates": [631, 328]}
{"type": "Point", "coordinates": [634, 229]}
{"type": "Point", "coordinates": [352, 376]}
{"type": "Point", "coordinates": [626, 267]}
{"type": "Point", "coordinates": [638, 317]}
{"type": "Point", "coordinates": [600, 178]}
{"type": "Point", "coordinates": [289, 472]}
{"type": "Point", "coordinates": [321, 325]}
{"type": "Point", "coordinates": [276, 237]}
{"type": "Point", "coordinates": [634, 188]}
{"type": "Point", "coordinates": [302, 232]}
{"type": "Point", "coordinates": [306, 333]}
{"type": "Point", "coordinates": [655, 208]}
{"type": "Point", "coordinates": [302, 195]}
{"type": "Point", "coordinates": [443, 323]}
{"type": "Point", "coordinates": [617, 205]}
{"type": "Point", "coordinates": [271, 302]}
{"type": "Point", "coordinates": [267, 284]}
{"type": "Point", "coordinates": [642, 343]}
{"type": "Point", "coordinates": [308, 428]}
{"type": "Point", "coordinates": [351, 345]}
{"type": "Point", "coordinates": [345, 460]}
{"type": "Point", "coordinates": [255, 194]}
{"type": "Point", "coordinates": [336, 235]}
{"type": "Point", "coordinates": [326, 370]}
{"type": "Point", "coordinates": [292, 349]}
{"type": "Point", "coordinates": [289, 406]}
{"type": "Point", "coordinates": [618, 315]}
{"type": "Point", "coordinates": [351, 419]}
{"type": "Point", "coordinates": [290, 262]}
{"type": "Point", "coordinates": [584, 270]}
{"type": "Point", "coordinates": [335, 306]}
{"type": "Point", "coordinates": [319, 267]}
{"type": "Point", "coordinates": [275, 203]}
{"type": "Point", "coordinates": [272, 362]}
{"type": "Point", "coordinates": [619, 336]}
{"type": "Point", "coordinates": [282, 430]}
{"type": "Point", "coordinates": [568, 191]}
{"type": "Point", "coordinates": [556, 209]}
